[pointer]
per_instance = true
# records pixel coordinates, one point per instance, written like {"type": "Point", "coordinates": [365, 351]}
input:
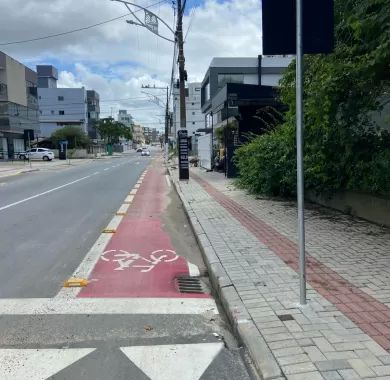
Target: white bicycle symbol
{"type": "Point", "coordinates": [126, 259]}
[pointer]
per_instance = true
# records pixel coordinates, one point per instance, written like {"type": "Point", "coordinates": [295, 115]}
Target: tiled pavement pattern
{"type": "Point", "coordinates": [325, 339]}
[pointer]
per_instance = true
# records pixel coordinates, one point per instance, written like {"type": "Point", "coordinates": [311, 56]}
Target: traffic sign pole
{"type": "Point", "coordinates": [300, 169]}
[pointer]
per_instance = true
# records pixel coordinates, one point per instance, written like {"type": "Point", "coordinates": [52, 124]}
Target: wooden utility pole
{"type": "Point", "coordinates": [182, 76]}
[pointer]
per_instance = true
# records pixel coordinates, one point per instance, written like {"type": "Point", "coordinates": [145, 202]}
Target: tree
{"type": "Point", "coordinates": [75, 136]}
{"type": "Point", "coordinates": [112, 130]}
{"type": "Point", "coordinates": [345, 148]}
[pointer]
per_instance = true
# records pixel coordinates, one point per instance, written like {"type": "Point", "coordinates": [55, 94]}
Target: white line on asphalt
{"type": "Point", "coordinates": [96, 173]}
{"type": "Point", "coordinates": [44, 193]}
{"type": "Point", "coordinates": [193, 269]}
{"type": "Point", "coordinates": [106, 169]}
{"type": "Point", "coordinates": [168, 180]}
{"type": "Point", "coordinates": [39, 306]}
{"type": "Point", "coordinates": [133, 192]}
{"type": "Point", "coordinates": [123, 209]}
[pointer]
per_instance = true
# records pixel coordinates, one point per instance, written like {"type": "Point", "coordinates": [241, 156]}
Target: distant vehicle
{"type": "Point", "coordinates": [145, 153]}
{"type": "Point", "coordinates": [144, 148]}
{"type": "Point", "coordinates": [139, 150]}
{"type": "Point", "coordinates": [37, 154]}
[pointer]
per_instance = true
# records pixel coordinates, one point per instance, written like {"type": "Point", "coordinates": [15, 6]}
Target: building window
{"type": "Point", "coordinates": [197, 89]}
{"type": "Point", "coordinates": [193, 113]}
{"type": "Point", "coordinates": [229, 78]}
{"type": "Point", "coordinates": [193, 123]}
{"type": "Point", "coordinates": [61, 112]}
{"type": "Point", "coordinates": [52, 112]}
{"type": "Point", "coordinates": [192, 104]}
{"type": "Point", "coordinates": [60, 98]}
{"type": "Point", "coordinates": [39, 97]}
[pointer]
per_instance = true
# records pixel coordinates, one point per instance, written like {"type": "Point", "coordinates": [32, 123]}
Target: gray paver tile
{"type": "Point", "coordinates": [306, 376]}
{"type": "Point", "coordinates": [349, 374]}
{"type": "Point", "coordinates": [333, 365]}
{"type": "Point", "coordinates": [361, 368]}
{"type": "Point", "coordinates": [299, 368]}
{"type": "Point", "coordinates": [382, 370]}
{"type": "Point", "coordinates": [331, 375]}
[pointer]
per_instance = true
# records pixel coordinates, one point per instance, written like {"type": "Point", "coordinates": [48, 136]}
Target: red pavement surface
{"type": "Point", "coordinates": [372, 316]}
{"type": "Point", "coordinates": [140, 232]}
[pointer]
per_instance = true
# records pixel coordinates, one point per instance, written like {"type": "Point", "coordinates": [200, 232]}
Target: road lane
{"type": "Point", "coordinates": [44, 238]}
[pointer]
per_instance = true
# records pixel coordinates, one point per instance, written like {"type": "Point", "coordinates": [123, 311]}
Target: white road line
{"type": "Point", "coordinates": [193, 269]}
{"type": "Point", "coordinates": [123, 209]}
{"type": "Point", "coordinates": [129, 199]}
{"type": "Point", "coordinates": [106, 169]}
{"type": "Point", "coordinates": [64, 306]}
{"type": "Point", "coordinates": [96, 173]}
{"type": "Point", "coordinates": [86, 266]}
{"type": "Point", "coordinates": [114, 223]}
{"type": "Point", "coordinates": [37, 364]}
{"type": "Point", "coordinates": [168, 180]}
{"type": "Point", "coordinates": [174, 361]}
{"type": "Point", "coordinates": [136, 186]}
{"type": "Point", "coordinates": [133, 192]}
{"type": "Point", "coordinates": [44, 193]}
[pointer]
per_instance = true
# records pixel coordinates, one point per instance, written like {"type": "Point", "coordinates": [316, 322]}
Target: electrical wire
{"type": "Point", "coordinates": [76, 30]}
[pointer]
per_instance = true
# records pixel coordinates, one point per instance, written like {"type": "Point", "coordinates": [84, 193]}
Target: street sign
{"type": "Point", "coordinates": [279, 26]}
{"type": "Point", "coordinates": [182, 140]}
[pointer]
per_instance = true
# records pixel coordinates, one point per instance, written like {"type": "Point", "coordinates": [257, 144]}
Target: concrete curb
{"type": "Point", "coordinates": [243, 326]}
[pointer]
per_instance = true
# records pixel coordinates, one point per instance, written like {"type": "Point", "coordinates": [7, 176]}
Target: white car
{"type": "Point", "coordinates": [145, 153]}
{"type": "Point", "coordinates": [37, 154]}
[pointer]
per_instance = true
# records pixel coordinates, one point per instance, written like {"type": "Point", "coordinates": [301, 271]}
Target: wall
{"type": "Point", "coordinates": [365, 206]}
{"type": "Point", "coordinates": [204, 151]}
{"type": "Point", "coordinates": [16, 81]}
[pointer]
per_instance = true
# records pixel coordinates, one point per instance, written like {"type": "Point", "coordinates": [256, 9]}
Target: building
{"type": "Point", "coordinates": [59, 107]}
{"type": "Point", "coordinates": [194, 116]}
{"type": "Point", "coordinates": [18, 105]}
{"type": "Point", "coordinates": [155, 135]}
{"type": "Point", "coordinates": [148, 135]}
{"type": "Point", "coordinates": [233, 92]}
{"type": "Point", "coordinates": [125, 118]}
{"type": "Point", "coordinates": [93, 109]}
{"type": "Point", "coordinates": [138, 134]}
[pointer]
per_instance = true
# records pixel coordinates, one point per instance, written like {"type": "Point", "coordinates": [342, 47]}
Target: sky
{"type": "Point", "coordinates": [116, 59]}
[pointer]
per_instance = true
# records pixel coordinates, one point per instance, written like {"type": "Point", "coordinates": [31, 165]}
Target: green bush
{"type": "Point", "coordinates": [344, 149]}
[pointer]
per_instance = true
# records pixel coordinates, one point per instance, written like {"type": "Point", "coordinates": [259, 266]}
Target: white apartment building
{"type": "Point", "coordinates": [59, 107]}
{"type": "Point", "coordinates": [194, 116]}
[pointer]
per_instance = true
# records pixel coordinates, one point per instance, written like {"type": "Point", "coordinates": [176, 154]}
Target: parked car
{"type": "Point", "coordinates": [145, 153]}
{"type": "Point", "coordinates": [139, 150]}
{"type": "Point", "coordinates": [37, 154]}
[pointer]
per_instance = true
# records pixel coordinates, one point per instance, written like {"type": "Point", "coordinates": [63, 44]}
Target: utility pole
{"type": "Point", "coordinates": [166, 139]}
{"type": "Point", "coordinates": [181, 59]}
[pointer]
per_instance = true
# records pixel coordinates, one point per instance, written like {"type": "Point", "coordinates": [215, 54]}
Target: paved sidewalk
{"type": "Point", "coordinates": [344, 331]}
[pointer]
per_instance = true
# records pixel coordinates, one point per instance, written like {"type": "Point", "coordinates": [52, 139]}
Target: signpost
{"type": "Point", "coordinates": [313, 28]}
{"type": "Point", "coordinates": [182, 140]}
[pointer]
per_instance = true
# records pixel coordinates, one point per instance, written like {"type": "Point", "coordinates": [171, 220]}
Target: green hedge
{"type": "Point", "coordinates": [345, 148]}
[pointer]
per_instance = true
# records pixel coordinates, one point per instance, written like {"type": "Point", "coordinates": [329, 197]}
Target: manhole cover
{"type": "Point", "coordinates": [286, 317]}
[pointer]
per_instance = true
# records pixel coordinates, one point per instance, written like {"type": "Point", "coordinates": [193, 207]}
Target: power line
{"type": "Point", "coordinates": [75, 30]}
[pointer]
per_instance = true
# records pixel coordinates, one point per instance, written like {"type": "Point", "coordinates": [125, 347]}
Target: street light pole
{"type": "Point", "coordinates": [300, 170]}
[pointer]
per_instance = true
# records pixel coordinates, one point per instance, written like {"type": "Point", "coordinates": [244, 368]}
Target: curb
{"type": "Point", "coordinates": [243, 325]}
{"type": "Point", "coordinates": [30, 170]}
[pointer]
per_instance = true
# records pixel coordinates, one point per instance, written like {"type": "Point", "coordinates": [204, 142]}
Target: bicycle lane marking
{"type": "Point", "coordinates": [139, 259]}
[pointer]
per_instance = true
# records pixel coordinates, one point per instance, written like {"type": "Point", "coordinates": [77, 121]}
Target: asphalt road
{"type": "Point", "coordinates": [48, 222]}
{"type": "Point", "coordinates": [60, 215]}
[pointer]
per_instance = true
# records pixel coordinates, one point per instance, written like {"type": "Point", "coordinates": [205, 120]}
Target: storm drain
{"type": "Point", "coordinates": [187, 284]}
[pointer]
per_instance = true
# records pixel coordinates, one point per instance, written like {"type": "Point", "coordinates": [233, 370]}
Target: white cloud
{"type": "Point", "coordinates": [116, 59]}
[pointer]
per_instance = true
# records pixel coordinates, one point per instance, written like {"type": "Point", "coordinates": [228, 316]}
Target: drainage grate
{"type": "Point", "coordinates": [187, 284]}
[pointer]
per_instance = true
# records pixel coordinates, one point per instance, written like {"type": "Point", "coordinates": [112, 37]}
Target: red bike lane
{"type": "Point", "coordinates": [140, 260]}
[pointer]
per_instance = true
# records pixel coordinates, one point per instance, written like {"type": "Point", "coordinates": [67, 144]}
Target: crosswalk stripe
{"type": "Point", "coordinates": [37, 364]}
{"type": "Point", "coordinates": [77, 306]}
{"type": "Point", "coordinates": [175, 361]}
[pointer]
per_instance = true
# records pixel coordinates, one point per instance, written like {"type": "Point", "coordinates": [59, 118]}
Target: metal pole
{"type": "Point", "coordinates": [29, 147]}
{"type": "Point", "coordinates": [300, 170]}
